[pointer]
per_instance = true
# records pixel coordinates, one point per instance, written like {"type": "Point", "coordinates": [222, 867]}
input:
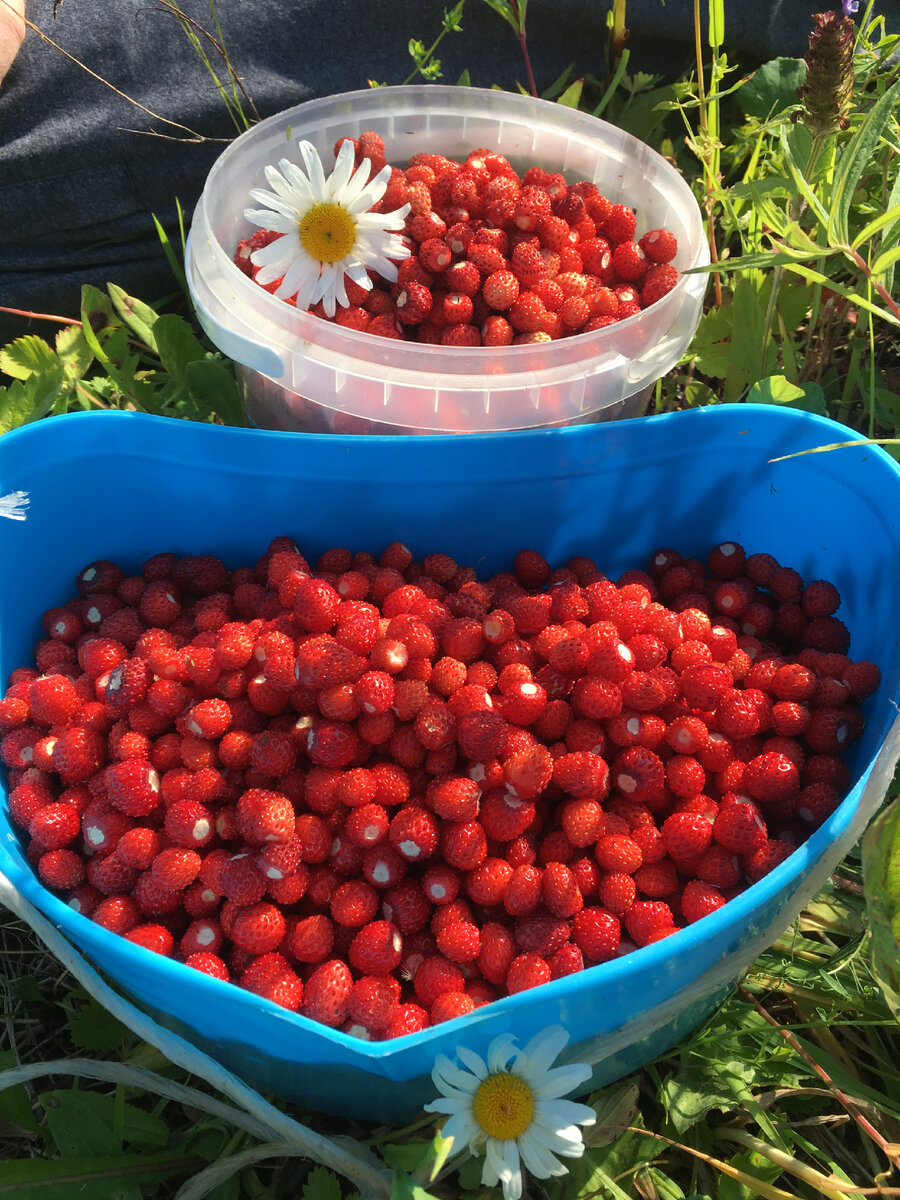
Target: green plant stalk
{"type": "Point", "coordinates": [795, 211]}
{"type": "Point", "coordinates": [429, 54]}
{"type": "Point", "coordinates": [618, 36]}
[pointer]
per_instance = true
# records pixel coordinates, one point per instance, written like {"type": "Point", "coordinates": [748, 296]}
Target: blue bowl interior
{"type": "Point", "coordinates": [124, 486]}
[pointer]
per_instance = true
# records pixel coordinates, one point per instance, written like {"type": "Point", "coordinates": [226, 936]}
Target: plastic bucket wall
{"type": "Point", "coordinates": [124, 486]}
{"type": "Point", "coordinates": [304, 373]}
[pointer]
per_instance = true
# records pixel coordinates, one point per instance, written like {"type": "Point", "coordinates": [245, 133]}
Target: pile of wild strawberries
{"type": "Point", "coordinates": [381, 792]}
{"type": "Point", "coordinates": [498, 259]}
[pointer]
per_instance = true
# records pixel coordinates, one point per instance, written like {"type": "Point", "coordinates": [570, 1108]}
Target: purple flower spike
{"type": "Point", "coordinates": [850, 7]}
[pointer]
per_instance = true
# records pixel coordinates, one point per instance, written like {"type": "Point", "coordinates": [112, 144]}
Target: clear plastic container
{"type": "Point", "coordinates": [301, 373]}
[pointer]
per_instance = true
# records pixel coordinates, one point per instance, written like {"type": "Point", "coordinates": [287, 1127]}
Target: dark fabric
{"type": "Point", "coordinates": [78, 185]}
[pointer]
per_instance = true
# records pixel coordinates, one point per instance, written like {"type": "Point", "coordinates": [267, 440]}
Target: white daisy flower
{"type": "Point", "coordinates": [511, 1104]}
{"type": "Point", "coordinates": [327, 227]}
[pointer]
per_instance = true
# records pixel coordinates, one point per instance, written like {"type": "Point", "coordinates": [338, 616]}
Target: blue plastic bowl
{"type": "Point", "coordinates": [123, 486]}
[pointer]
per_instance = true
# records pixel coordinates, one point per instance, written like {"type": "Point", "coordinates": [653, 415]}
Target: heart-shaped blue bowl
{"type": "Point", "coordinates": [123, 486]}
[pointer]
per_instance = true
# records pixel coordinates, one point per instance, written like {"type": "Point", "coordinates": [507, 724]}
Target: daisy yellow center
{"type": "Point", "coordinates": [503, 1106]}
{"type": "Point", "coordinates": [327, 232]}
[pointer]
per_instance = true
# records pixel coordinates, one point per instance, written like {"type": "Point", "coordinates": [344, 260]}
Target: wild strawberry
{"type": "Point", "coordinates": [582, 774]}
{"type": "Point", "coordinates": [373, 1002]}
{"type": "Point", "coordinates": [118, 914]}
{"type": "Point", "coordinates": [656, 283]}
{"type": "Point", "coordinates": [739, 827]}
{"type": "Point", "coordinates": [770, 777]}
{"type": "Point", "coordinates": [52, 700]}
{"type": "Point", "coordinates": [766, 858]}
{"type": "Point", "coordinates": [527, 971]}
{"type": "Point", "coordinates": [618, 853]}
{"type": "Point", "coordinates": [619, 225]}
{"type": "Point", "coordinates": [618, 892]}
{"type": "Point", "coordinates": [61, 869]}
{"type": "Point", "coordinates": [132, 786]}
{"type": "Point", "coordinates": [829, 731]}
{"type": "Point", "coordinates": [526, 313]}
{"type": "Point", "coordinates": [78, 754]}
{"type": "Point", "coordinates": [560, 891]}
{"type": "Point", "coordinates": [153, 937]}
{"type": "Point", "coordinates": [271, 977]}
{"type": "Point", "coordinates": [596, 932]}
{"type": "Point", "coordinates": [258, 928]}
{"type": "Point", "coordinates": [54, 826]}
{"type": "Point", "coordinates": [629, 261]}
{"type": "Point", "coordinates": [435, 977]}
{"type": "Point", "coordinates": [659, 245]}
{"type": "Point", "coordinates": [533, 207]}
{"type": "Point", "coordinates": [863, 679]}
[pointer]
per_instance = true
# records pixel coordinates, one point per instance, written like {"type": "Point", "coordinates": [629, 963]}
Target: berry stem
{"type": "Point", "coordinates": [523, 43]}
{"type": "Point", "coordinates": [36, 316]}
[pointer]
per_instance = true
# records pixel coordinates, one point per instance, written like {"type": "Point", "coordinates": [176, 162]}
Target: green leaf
{"type": "Point", "coordinates": [752, 350]}
{"type": "Point", "coordinates": [321, 1184]}
{"type": "Point", "coordinates": [772, 88]}
{"type": "Point", "coordinates": [881, 876]}
{"type": "Point", "coordinates": [74, 352]}
{"type": "Point", "coordinates": [690, 1094]}
{"type": "Point", "coordinates": [409, 1156]}
{"type": "Point", "coordinates": [138, 316]}
{"type": "Point", "coordinates": [753, 1164]}
{"type": "Point", "coordinates": [27, 400]}
{"type": "Point", "coordinates": [885, 262]}
{"type": "Point", "coordinates": [615, 1107]}
{"type": "Point", "coordinates": [15, 406]}
{"type": "Point", "coordinates": [571, 97]}
{"type": "Point", "coordinates": [404, 1187]}
{"type": "Point", "coordinates": [93, 1028]}
{"type": "Point", "coordinates": [78, 1124]}
{"type": "Point", "coordinates": [213, 388]}
{"type": "Point", "coordinates": [15, 1107]}
{"type": "Point", "coordinates": [27, 356]}
{"type": "Point", "coordinates": [88, 1177]}
{"type": "Point", "coordinates": [775, 389]}
{"type": "Point", "coordinates": [176, 344]}
{"type": "Point", "coordinates": [890, 217]}
{"type": "Point", "coordinates": [176, 261]}
{"type": "Point", "coordinates": [856, 160]}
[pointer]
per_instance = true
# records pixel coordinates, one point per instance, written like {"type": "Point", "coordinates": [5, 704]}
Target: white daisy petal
{"type": "Point", "coordinates": [564, 1112]}
{"type": "Point", "coordinates": [273, 202]}
{"type": "Point", "coordinates": [503, 1158]}
{"type": "Point", "coordinates": [450, 1074]}
{"type": "Point", "coordinates": [500, 1051]}
{"type": "Point", "coordinates": [360, 276]}
{"type": "Point", "coordinates": [536, 1157]}
{"type": "Point", "coordinates": [343, 170]}
{"type": "Point", "coordinates": [462, 1129]}
{"type": "Point", "coordinates": [314, 171]}
{"type": "Point", "coordinates": [562, 1080]}
{"type": "Point", "coordinates": [300, 278]}
{"type": "Point", "coordinates": [561, 1139]}
{"type": "Point", "coordinates": [281, 185]}
{"type": "Point", "coordinates": [298, 181]}
{"type": "Point", "coordinates": [473, 1061]}
{"type": "Point", "coordinates": [274, 252]}
{"type": "Point", "coordinates": [543, 1049]}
